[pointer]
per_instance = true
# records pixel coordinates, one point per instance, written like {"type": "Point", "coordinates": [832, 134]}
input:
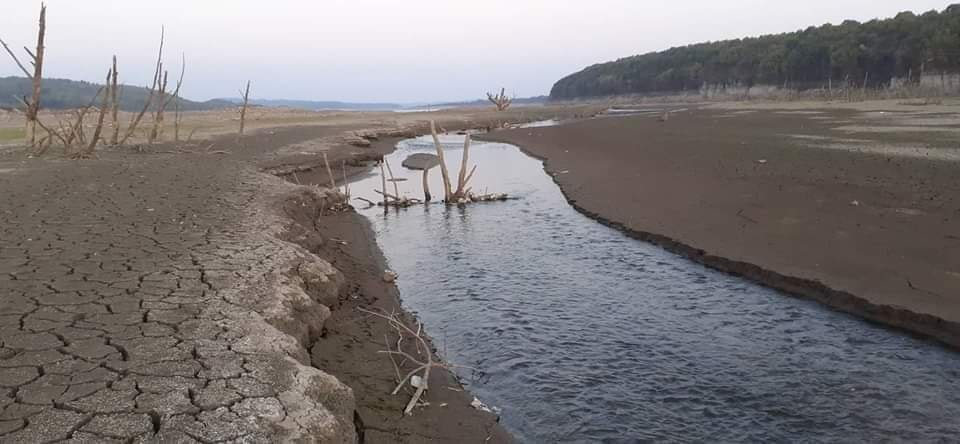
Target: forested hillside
{"type": "Point", "coordinates": [61, 94]}
{"type": "Point", "coordinates": [878, 50]}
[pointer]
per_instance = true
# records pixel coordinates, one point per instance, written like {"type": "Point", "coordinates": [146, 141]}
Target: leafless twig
{"type": "Point", "coordinates": [423, 362]}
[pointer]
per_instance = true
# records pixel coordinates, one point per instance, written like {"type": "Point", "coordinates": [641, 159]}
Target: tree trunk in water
{"type": "Point", "coordinates": [447, 190]}
{"type": "Point", "coordinates": [461, 178]}
{"type": "Point", "coordinates": [426, 185]}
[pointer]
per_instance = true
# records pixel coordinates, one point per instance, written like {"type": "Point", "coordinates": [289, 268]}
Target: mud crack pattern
{"type": "Point", "coordinates": [139, 302]}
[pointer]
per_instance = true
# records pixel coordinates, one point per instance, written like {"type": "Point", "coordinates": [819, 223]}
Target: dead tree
{"type": "Point", "coordinates": [71, 133]}
{"type": "Point", "coordinates": [32, 106]}
{"type": "Point", "coordinates": [156, 132]}
{"type": "Point", "coordinates": [463, 178]}
{"type": "Point", "coordinates": [176, 99]}
{"type": "Point", "coordinates": [463, 194]}
{"type": "Point", "coordinates": [243, 108]}
{"type": "Point", "coordinates": [114, 105]}
{"type": "Point", "coordinates": [150, 93]}
{"type": "Point", "coordinates": [501, 101]}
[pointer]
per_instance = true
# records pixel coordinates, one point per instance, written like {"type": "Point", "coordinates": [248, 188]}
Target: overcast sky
{"type": "Point", "coordinates": [392, 50]}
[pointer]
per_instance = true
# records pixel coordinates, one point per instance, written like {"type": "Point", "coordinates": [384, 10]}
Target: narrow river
{"type": "Point", "coordinates": [584, 334]}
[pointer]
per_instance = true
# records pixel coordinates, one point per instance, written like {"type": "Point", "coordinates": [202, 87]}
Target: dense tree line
{"type": "Point", "coordinates": [875, 51]}
{"type": "Point", "coordinates": [64, 94]}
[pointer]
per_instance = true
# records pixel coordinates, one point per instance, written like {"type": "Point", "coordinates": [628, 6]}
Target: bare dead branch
{"type": "Point", "coordinates": [333, 183]}
{"type": "Point", "coordinates": [151, 92]}
{"type": "Point", "coordinates": [157, 128]}
{"type": "Point", "coordinates": [243, 109]}
{"type": "Point", "coordinates": [15, 59]}
{"type": "Point", "coordinates": [96, 131]}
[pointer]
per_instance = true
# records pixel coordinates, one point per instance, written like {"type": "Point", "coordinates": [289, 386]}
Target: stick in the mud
{"type": "Point", "coordinates": [114, 105]}
{"type": "Point", "coordinates": [396, 188]}
{"type": "Point", "coordinates": [346, 185]}
{"type": "Point", "coordinates": [383, 177]}
{"type": "Point", "coordinates": [243, 109]}
{"type": "Point", "coordinates": [333, 183]}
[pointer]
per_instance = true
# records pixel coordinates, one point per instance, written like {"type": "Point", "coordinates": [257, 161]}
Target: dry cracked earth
{"type": "Point", "coordinates": [145, 297]}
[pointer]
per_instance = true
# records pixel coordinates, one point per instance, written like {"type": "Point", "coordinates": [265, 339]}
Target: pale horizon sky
{"type": "Point", "coordinates": [388, 50]}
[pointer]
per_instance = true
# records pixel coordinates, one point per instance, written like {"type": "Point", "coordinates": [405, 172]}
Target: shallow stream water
{"type": "Point", "coordinates": [584, 334]}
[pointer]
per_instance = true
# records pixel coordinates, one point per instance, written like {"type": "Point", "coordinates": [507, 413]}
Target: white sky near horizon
{"type": "Point", "coordinates": [388, 50]}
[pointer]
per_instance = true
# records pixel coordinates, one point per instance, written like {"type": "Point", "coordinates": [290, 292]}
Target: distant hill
{"type": "Point", "coordinates": [323, 105]}
{"type": "Point", "coordinates": [65, 94]}
{"type": "Point", "coordinates": [878, 51]}
{"type": "Point", "coordinates": [484, 102]}
{"type": "Point", "coordinates": [314, 105]}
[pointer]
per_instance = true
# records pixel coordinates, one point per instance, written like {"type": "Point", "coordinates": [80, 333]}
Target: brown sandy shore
{"type": "Point", "coordinates": [854, 205]}
{"type": "Point", "coordinates": [185, 293]}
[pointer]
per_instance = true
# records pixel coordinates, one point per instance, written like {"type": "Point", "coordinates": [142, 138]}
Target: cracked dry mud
{"type": "Point", "coordinates": [146, 297]}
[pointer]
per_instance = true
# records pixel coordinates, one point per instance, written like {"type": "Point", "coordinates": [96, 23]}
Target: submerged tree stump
{"type": "Point", "coordinates": [424, 162]}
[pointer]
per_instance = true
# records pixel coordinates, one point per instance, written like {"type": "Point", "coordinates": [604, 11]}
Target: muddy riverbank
{"type": "Point", "coordinates": [787, 198]}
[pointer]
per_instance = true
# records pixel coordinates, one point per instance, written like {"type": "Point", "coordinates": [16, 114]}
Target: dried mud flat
{"type": "Point", "coordinates": [184, 293]}
{"type": "Point", "coordinates": [856, 205]}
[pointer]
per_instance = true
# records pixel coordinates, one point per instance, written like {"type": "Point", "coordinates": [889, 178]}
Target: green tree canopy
{"type": "Point", "coordinates": [901, 46]}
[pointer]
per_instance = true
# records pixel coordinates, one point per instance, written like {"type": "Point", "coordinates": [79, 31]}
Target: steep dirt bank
{"type": "Point", "coordinates": [349, 349]}
{"type": "Point", "coordinates": [872, 234]}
